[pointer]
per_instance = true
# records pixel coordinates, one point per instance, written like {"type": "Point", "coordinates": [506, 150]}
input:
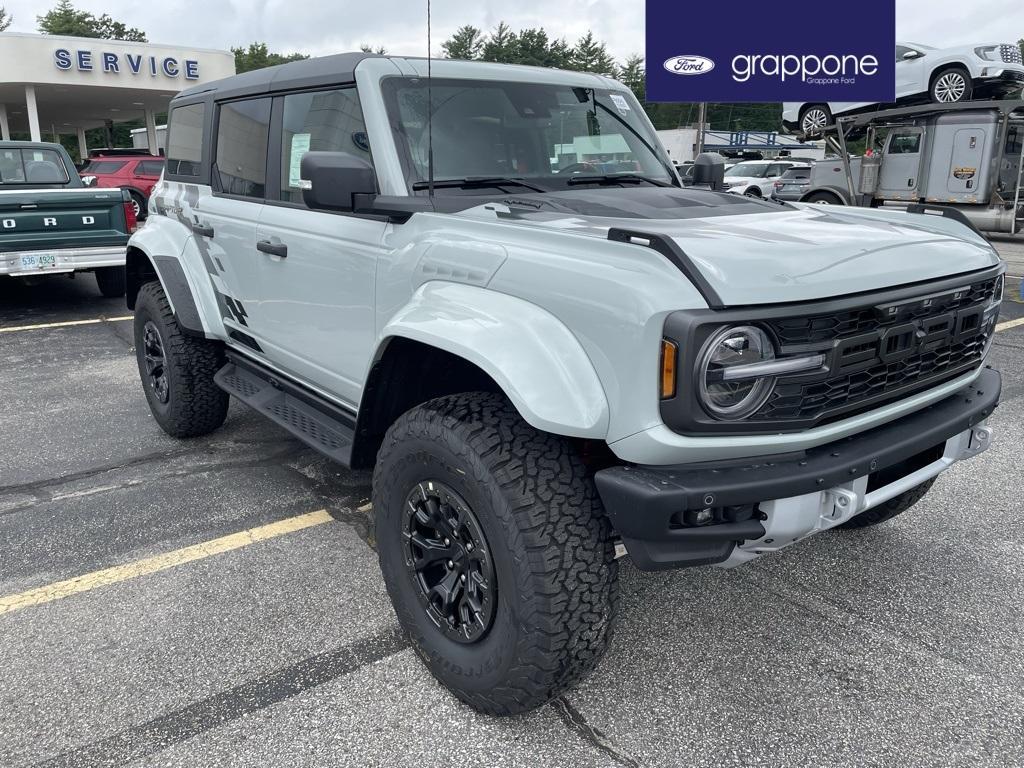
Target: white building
{"type": "Point", "coordinates": [52, 85]}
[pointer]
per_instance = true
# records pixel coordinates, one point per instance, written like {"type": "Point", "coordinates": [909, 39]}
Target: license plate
{"type": "Point", "coordinates": [38, 260]}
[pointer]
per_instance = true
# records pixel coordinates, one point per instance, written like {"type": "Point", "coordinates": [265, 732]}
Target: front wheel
{"type": "Point", "coordinates": [823, 198]}
{"type": "Point", "coordinates": [177, 369]}
{"type": "Point", "coordinates": [951, 86]}
{"type": "Point", "coordinates": [495, 550]}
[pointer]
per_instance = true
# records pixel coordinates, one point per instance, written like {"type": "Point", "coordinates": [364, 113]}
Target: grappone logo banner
{"type": "Point", "coordinates": [695, 53]}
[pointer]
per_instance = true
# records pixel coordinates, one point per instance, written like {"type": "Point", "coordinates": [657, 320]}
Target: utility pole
{"type": "Point", "coordinates": [702, 118]}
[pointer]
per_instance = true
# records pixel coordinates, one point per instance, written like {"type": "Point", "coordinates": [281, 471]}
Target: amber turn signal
{"type": "Point", "coordinates": [668, 369]}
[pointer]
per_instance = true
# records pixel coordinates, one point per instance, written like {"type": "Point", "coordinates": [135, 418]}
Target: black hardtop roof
{"type": "Point", "coordinates": [306, 73]}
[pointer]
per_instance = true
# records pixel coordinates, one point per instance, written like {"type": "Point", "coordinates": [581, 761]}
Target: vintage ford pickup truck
{"type": "Point", "coordinates": [51, 223]}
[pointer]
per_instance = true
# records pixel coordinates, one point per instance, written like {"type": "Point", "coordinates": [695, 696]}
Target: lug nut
{"type": "Point", "coordinates": [447, 543]}
{"type": "Point", "coordinates": [451, 564]}
{"type": "Point", "coordinates": [462, 577]}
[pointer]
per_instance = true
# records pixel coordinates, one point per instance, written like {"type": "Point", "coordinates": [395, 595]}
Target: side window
{"type": "Point", "coordinates": [185, 140]}
{"type": "Point", "coordinates": [324, 121]}
{"type": "Point", "coordinates": [243, 131]}
{"type": "Point", "coordinates": [776, 169]}
{"type": "Point", "coordinates": [149, 168]}
{"type": "Point", "coordinates": [1015, 140]}
{"type": "Point", "coordinates": [905, 144]}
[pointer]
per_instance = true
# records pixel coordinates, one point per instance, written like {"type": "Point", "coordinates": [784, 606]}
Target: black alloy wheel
{"type": "Point", "coordinates": [449, 561]}
{"type": "Point", "coordinates": [156, 362]}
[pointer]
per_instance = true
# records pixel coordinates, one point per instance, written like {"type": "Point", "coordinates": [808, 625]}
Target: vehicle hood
{"type": "Point", "coordinates": [754, 252]}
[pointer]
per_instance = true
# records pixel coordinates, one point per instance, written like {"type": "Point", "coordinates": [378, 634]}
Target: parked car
{"type": "Point", "coordinates": [923, 73]}
{"type": "Point", "coordinates": [685, 171]}
{"type": "Point", "coordinates": [791, 185]}
{"type": "Point", "coordinates": [137, 173]}
{"type": "Point", "coordinates": [546, 368]}
{"type": "Point", "coordinates": [755, 178]}
{"type": "Point", "coordinates": [50, 223]}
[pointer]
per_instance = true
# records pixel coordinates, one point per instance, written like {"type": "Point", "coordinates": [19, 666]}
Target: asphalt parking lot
{"type": "Point", "coordinates": [217, 602]}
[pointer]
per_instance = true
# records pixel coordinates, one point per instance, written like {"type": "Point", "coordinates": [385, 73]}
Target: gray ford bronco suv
{"type": "Point", "coordinates": [490, 286]}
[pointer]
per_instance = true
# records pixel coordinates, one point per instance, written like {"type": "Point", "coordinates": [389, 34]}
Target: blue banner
{"type": "Point", "coordinates": [755, 51]}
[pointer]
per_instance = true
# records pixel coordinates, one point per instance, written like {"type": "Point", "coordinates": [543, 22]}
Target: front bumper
{"type": "Point", "coordinates": [761, 505]}
{"type": "Point", "coordinates": [66, 260]}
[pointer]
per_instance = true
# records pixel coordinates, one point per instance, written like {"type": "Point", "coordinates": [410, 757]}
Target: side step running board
{"type": "Point", "coordinates": [312, 420]}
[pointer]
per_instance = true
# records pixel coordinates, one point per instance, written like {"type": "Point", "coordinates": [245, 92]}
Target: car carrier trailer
{"type": "Point", "coordinates": [940, 158]}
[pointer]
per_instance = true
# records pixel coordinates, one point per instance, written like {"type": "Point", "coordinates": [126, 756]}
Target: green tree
{"type": "Point", "coordinates": [502, 45]}
{"type": "Point", "coordinates": [1021, 44]}
{"type": "Point", "coordinates": [5, 19]}
{"type": "Point", "coordinates": [258, 56]}
{"type": "Point", "coordinates": [590, 55]}
{"type": "Point", "coordinates": [380, 50]}
{"type": "Point", "coordinates": [467, 43]}
{"type": "Point", "coordinates": [65, 19]}
{"type": "Point", "coordinates": [632, 74]}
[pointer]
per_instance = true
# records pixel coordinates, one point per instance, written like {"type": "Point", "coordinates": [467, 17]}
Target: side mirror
{"type": "Point", "coordinates": [709, 170]}
{"type": "Point", "coordinates": [330, 180]}
{"type": "Point", "coordinates": [89, 181]}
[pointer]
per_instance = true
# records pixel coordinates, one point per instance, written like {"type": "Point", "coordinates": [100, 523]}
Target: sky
{"type": "Point", "coordinates": [331, 26]}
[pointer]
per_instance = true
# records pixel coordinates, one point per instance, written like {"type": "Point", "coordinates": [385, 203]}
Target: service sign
{"type": "Point", "coordinates": [766, 53]}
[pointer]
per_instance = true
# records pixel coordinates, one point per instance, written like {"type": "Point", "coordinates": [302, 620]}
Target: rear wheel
{"type": "Point", "coordinates": [814, 119]}
{"type": "Point", "coordinates": [111, 281]}
{"type": "Point", "coordinates": [891, 508]}
{"type": "Point", "coordinates": [753, 192]}
{"type": "Point", "coordinates": [177, 370]}
{"type": "Point", "coordinates": [823, 198]}
{"type": "Point", "coordinates": [951, 86]}
{"type": "Point", "coordinates": [495, 550]}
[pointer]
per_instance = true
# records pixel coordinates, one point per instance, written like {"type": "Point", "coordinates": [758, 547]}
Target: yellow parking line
{"type": "Point", "coordinates": [89, 581]}
{"type": "Point", "coordinates": [1010, 324]}
{"type": "Point", "coordinates": [65, 324]}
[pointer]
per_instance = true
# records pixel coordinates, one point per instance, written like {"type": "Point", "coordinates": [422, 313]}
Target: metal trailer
{"type": "Point", "coordinates": [944, 158]}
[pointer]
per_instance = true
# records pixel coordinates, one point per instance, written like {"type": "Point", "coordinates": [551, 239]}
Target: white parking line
{"type": "Point", "coordinates": [65, 324]}
{"type": "Point", "coordinates": [1009, 324]}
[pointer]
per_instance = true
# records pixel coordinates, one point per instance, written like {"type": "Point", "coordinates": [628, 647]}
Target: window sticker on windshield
{"type": "Point", "coordinates": [300, 146]}
{"type": "Point", "coordinates": [620, 103]}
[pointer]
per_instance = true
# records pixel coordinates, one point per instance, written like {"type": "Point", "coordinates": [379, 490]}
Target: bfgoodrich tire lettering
{"type": "Point", "coordinates": [177, 370]}
{"type": "Point", "coordinates": [545, 529]}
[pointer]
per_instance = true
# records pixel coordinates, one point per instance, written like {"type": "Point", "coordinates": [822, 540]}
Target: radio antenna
{"type": "Point", "coordinates": [430, 115]}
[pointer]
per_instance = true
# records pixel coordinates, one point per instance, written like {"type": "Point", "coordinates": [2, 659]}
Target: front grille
{"type": "Point", "coordinates": [1011, 54]}
{"type": "Point", "coordinates": [877, 353]}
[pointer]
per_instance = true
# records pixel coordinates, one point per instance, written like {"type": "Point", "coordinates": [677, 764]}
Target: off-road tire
{"type": "Point", "coordinates": [140, 202]}
{"type": "Point", "coordinates": [550, 541]}
{"type": "Point", "coordinates": [111, 281]}
{"type": "Point", "coordinates": [891, 508]}
{"type": "Point", "coordinates": [195, 405]}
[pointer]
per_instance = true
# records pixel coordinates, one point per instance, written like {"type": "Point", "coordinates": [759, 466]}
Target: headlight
{"type": "Point", "coordinates": [723, 396]}
{"type": "Point", "coordinates": [988, 52]}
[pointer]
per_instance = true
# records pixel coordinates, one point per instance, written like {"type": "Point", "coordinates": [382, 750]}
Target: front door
{"type": "Point", "coordinates": [900, 174]}
{"type": "Point", "coordinates": [315, 271]}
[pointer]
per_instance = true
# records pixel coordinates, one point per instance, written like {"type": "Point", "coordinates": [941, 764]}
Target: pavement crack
{"type": "Point", "coordinates": [578, 724]}
{"type": "Point", "coordinates": [174, 727]}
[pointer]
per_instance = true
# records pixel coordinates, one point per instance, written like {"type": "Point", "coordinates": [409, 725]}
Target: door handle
{"type": "Point", "coordinates": [274, 249]}
{"type": "Point", "coordinates": [203, 230]}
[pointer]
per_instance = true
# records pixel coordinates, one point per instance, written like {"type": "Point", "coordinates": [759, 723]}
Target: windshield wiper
{"type": "Point", "coordinates": [612, 178]}
{"type": "Point", "coordinates": [469, 182]}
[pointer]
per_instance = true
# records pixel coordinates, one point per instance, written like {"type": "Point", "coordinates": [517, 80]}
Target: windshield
{"type": "Point", "coordinates": [542, 134]}
{"type": "Point", "coordinates": [748, 170]}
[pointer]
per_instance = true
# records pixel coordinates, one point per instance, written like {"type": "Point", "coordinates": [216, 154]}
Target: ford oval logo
{"type": "Point", "coordinates": [689, 65]}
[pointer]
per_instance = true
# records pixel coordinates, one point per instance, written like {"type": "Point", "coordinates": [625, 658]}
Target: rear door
{"type": "Point", "coordinates": [316, 272]}
{"type": "Point", "coordinates": [901, 165]}
{"type": "Point", "coordinates": [226, 219]}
